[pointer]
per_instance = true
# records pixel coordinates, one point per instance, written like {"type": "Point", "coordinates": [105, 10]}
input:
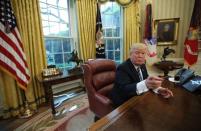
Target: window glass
{"type": "Point", "coordinates": [67, 45]}
{"type": "Point", "coordinates": [110, 55]}
{"type": "Point", "coordinates": [117, 44]}
{"type": "Point", "coordinates": [63, 16]}
{"type": "Point", "coordinates": [58, 59]}
{"type": "Point", "coordinates": [111, 20]}
{"type": "Point", "coordinates": [57, 31]}
{"type": "Point", "coordinates": [109, 45]}
{"type": "Point", "coordinates": [53, 27]}
{"type": "Point", "coordinates": [117, 55]}
{"type": "Point", "coordinates": [57, 46]}
{"type": "Point", "coordinates": [48, 46]}
{"type": "Point", "coordinates": [63, 3]}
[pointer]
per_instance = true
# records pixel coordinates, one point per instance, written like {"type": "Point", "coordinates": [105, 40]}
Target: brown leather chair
{"type": "Point", "coordinates": [99, 76]}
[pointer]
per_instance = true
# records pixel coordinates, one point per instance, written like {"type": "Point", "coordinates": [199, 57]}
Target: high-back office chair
{"type": "Point", "coordinates": [99, 75]}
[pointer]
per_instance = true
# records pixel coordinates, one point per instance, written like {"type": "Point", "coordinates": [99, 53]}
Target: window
{"type": "Point", "coordinates": [57, 19]}
{"type": "Point", "coordinates": [112, 28]}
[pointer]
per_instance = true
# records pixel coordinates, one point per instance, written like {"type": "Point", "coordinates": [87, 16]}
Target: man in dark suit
{"type": "Point", "coordinates": [132, 78]}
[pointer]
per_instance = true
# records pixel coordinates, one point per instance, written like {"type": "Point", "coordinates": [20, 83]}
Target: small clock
{"type": "Point", "coordinates": [102, 1]}
{"type": "Point", "coordinates": [124, 2]}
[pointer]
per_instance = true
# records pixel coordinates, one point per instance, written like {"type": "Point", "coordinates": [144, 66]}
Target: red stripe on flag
{"type": "Point", "coordinates": [19, 41]}
{"type": "Point", "coordinates": [12, 58]}
{"type": "Point", "coordinates": [13, 45]}
{"type": "Point", "coordinates": [8, 68]}
{"type": "Point", "coordinates": [16, 36]}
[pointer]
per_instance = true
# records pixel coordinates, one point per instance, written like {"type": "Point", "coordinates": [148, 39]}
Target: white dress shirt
{"type": "Point", "coordinates": [141, 86]}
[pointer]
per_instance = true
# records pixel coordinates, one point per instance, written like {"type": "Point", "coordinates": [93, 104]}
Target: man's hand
{"type": "Point", "coordinates": [153, 82]}
{"type": "Point", "coordinates": [166, 93]}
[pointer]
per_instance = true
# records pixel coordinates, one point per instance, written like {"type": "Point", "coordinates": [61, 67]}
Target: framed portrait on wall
{"type": "Point", "coordinates": [166, 31]}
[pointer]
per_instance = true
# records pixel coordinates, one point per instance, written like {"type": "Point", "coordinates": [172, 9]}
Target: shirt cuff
{"type": "Point", "coordinates": [141, 87]}
{"type": "Point", "coordinates": [156, 90]}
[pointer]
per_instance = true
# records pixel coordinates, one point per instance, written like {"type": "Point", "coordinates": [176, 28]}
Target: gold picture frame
{"type": "Point", "coordinates": [166, 31]}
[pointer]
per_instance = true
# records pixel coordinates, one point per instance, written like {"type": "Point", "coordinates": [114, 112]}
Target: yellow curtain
{"type": "Point", "coordinates": [86, 12]}
{"type": "Point", "coordinates": [131, 27]}
{"type": "Point", "coordinates": [27, 13]}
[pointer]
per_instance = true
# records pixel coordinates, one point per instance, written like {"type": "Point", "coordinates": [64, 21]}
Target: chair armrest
{"type": "Point", "coordinates": [104, 100]}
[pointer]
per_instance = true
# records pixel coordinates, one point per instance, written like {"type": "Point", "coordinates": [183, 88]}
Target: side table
{"type": "Point", "coordinates": [48, 82]}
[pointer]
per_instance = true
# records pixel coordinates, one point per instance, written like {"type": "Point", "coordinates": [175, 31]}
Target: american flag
{"type": "Point", "coordinates": [12, 57]}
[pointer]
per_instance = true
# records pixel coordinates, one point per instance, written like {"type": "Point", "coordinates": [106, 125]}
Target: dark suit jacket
{"type": "Point", "coordinates": [125, 82]}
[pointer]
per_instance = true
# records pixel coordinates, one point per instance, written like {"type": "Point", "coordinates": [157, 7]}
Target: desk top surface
{"type": "Point", "coordinates": [64, 75]}
{"type": "Point", "coordinates": [152, 112]}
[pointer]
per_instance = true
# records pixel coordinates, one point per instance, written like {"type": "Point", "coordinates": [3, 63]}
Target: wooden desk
{"type": "Point", "coordinates": [151, 112]}
{"type": "Point", "coordinates": [48, 82]}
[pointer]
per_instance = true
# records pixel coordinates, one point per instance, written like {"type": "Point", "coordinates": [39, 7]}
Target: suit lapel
{"type": "Point", "coordinates": [133, 71]}
{"type": "Point", "coordinates": [144, 72]}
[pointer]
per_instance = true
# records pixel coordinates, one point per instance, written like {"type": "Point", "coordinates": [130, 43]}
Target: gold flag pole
{"type": "Point", "coordinates": [27, 112]}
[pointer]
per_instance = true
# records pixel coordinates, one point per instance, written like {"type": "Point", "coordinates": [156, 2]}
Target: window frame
{"type": "Point", "coordinates": [120, 37]}
{"type": "Point", "coordinates": [71, 10]}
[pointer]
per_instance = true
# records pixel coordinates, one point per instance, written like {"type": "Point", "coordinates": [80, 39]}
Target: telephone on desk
{"type": "Point", "coordinates": [183, 75]}
{"type": "Point", "coordinates": [188, 80]}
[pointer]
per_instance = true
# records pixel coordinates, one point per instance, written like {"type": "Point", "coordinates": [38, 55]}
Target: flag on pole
{"type": "Point", "coordinates": [12, 57]}
{"type": "Point", "coordinates": [100, 46]}
{"type": "Point", "coordinates": [150, 40]}
{"type": "Point", "coordinates": [191, 42]}
{"type": "Point", "coordinates": [191, 47]}
{"type": "Point", "coordinates": [148, 22]}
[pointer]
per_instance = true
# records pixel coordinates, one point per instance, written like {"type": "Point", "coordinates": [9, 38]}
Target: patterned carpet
{"type": "Point", "coordinates": [76, 116]}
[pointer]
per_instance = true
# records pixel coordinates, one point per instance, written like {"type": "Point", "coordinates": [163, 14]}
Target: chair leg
{"type": "Point", "coordinates": [96, 118]}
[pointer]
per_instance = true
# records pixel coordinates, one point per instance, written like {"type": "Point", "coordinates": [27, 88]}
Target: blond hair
{"type": "Point", "coordinates": [138, 46]}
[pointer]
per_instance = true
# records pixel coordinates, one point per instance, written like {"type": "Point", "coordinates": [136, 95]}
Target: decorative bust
{"type": "Point", "coordinates": [125, 2]}
{"type": "Point", "coordinates": [121, 2]}
{"type": "Point", "coordinates": [168, 65]}
{"type": "Point", "coordinates": [166, 52]}
{"type": "Point", "coordinates": [102, 1]}
{"type": "Point", "coordinates": [74, 58]}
